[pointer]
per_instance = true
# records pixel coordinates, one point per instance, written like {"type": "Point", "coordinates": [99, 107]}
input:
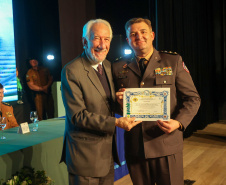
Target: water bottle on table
{"type": "Point", "coordinates": [34, 119]}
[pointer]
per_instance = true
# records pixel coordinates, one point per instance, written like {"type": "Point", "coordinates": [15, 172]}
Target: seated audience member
{"type": "Point", "coordinates": [6, 111]}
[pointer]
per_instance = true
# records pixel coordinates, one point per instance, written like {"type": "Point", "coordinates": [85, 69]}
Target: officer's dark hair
{"type": "Point", "coordinates": [137, 20]}
{"type": "Point", "coordinates": [1, 86]}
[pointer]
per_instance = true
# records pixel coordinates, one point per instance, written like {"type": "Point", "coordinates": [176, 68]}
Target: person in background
{"type": "Point", "coordinates": [153, 149]}
{"type": "Point", "coordinates": [88, 95]}
{"type": "Point", "coordinates": [6, 110]}
{"type": "Point", "coordinates": [39, 81]}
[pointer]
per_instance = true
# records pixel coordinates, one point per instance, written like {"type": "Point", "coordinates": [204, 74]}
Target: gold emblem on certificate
{"type": "Point", "coordinates": [147, 104]}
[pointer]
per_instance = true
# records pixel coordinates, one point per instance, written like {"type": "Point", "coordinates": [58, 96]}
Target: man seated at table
{"type": "Point", "coordinates": [6, 111]}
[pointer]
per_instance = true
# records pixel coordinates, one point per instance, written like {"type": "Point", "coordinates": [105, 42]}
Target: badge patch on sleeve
{"type": "Point", "coordinates": [185, 68]}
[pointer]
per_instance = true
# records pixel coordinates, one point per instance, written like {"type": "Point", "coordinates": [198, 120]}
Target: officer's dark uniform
{"type": "Point", "coordinates": [146, 141]}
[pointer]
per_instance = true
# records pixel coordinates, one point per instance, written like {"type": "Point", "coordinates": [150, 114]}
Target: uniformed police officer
{"type": "Point", "coordinates": [39, 81]}
{"type": "Point", "coordinates": [154, 148]}
{"type": "Point", "coordinates": [6, 111]}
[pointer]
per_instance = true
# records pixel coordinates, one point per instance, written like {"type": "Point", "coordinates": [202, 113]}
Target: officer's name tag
{"type": "Point", "coordinates": [23, 128]}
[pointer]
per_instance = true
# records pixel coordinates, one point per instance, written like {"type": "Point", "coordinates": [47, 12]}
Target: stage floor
{"type": "Point", "coordinates": [204, 157]}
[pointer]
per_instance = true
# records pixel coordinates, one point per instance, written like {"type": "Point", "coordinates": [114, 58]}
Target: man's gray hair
{"type": "Point", "coordinates": [89, 24]}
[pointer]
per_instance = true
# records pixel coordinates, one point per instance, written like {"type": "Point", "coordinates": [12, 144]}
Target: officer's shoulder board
{"type": "Point", "coordinates": [6, 103]}
{"type": "Point", "coordinates": [169, 52]}
{"type": "Point", "coordinates": [125, 57]}
{"type": "Point", "coordinates": [117, 59]}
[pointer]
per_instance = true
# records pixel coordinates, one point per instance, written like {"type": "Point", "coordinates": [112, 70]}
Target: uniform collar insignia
{"type": "Point", "coordinates": [5, 103]}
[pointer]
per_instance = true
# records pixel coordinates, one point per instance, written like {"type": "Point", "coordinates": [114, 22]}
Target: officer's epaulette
{"type": "Point", "coordinates": [6, 103]}
{"type": "Point", "coordinates": [117, 59]}
{"type": "Point", "coordinates": [169, 52]}
{"type": "Point", "coordinates": [126, 57]}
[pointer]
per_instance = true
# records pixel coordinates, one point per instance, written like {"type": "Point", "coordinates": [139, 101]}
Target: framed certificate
{"type": "Point", "coordinates": [147, 104]}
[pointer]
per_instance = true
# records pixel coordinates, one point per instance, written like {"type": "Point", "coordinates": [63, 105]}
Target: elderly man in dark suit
{"type": "Point", "coordinates": [154, 148]}
{"type": "Point", "coordinates": [88, 95]}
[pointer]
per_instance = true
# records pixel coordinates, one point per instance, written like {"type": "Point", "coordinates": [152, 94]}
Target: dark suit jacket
{"type": "Point", "coordinates": [147, 139]}
{"type": "Point", "coordinates": [89, 126]}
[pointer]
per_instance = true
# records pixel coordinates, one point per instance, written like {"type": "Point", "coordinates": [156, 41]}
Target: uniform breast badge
{"type": "Point", "coordinates": [164, 71]}
{"type": "Point", "coordinates": [124, 66]}
{"type": "Point", "coordinates": [8, 114]}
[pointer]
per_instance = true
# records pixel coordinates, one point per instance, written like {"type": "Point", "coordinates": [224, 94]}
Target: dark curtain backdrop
{"type": "Point", "coordinates": [73, 14]}
{"type": "Point", "coordinates": [196, 30]}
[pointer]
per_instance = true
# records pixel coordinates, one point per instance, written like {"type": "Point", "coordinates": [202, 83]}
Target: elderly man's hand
{"type": "Point", "coordinates": [119, 96]}
{"type": "Point", "coordinates": [126, 123]}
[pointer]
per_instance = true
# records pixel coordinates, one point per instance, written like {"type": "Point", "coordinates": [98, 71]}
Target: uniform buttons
{"type": "Point", "coordinates": [164, 82]}
{"type": "Point", "coordinates": [142, 83]}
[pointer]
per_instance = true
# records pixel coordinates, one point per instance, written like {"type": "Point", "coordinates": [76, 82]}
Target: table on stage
{"type": "Point", "coordinates": [41, 150]}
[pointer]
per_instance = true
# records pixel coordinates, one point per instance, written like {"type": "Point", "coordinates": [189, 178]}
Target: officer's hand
{"type": "Point", "coordinates": [168, 126]}
{"type": "Point", "coordinates": [126, 123]}
{"type": "Point", "coordinates": [119, 96]}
